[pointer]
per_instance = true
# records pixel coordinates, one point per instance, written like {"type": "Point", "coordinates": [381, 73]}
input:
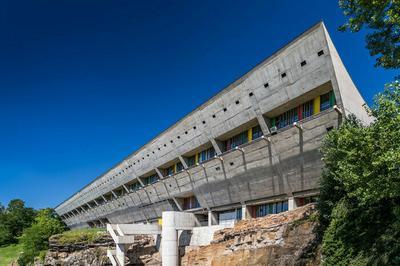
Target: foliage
{"type": "Point", "coordinates": [35, 238]}
{"type": "Point", "coordinates": [87, 236]}
{"type": "Point", "coordinates": [382, 17]}
{"type": "Point", "coordinates": [9, 254]}
{"type": "Point", "coordinates": [360, 188]}
{"type": "Point", "coordinates": [13, 220]}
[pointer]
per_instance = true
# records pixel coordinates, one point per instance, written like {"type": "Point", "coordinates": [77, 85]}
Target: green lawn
{"type": "Point", "coordinates": [9, 254]}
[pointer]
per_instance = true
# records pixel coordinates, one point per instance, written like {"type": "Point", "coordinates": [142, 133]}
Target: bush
{"type": "Point", "coordinates": [35, 238]}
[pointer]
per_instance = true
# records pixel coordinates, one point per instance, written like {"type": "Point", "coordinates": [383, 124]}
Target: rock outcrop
{"type": "Point", "coordinates": [287, 238]}
{"type": "Point", "coordinates": [283, 239]}
{"type": "Point", "coordinates": [142, 252]}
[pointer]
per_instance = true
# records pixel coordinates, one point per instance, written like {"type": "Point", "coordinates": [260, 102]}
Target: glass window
{"type": "Point", "coordinates": [151, 179]}
{"type": "Point", "coordinates": [307, 109]}
{"type": "Point", "coordinates": [191, 160]}
{"type": "Point", "coordinates": [135, 186]}
{"type": "Point", "coordinates": [179, 166]}
{"type": "Point", "coordinates": [169, 171]}
{"type": "Point", "coordinates": [190, 203]}
{"type": "Point", "coordinates": [239, 213]}
{"type": "Point", "coordinates": [206, 154]}
{"type": "Point", "coordinates": [271, 208]}
{"type": "Point", "coordinates": [256, 132]}
{"type": "Point", "coordinates": [236, 141]}
{"type": "Point", "coordinates": [325, 101]}
{"type": "Point", "coordinates": [287, 118]}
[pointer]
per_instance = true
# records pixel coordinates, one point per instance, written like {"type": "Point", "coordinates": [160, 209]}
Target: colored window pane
{"type": "Point", "coordinates": [206, 154]}
{"type": "Point", "coordinates": [271, 208]}
{"type": "Point", "coordinates": [256, 132]}
{"type": "Point", "coordinates": [325, 101]}
{"type": "Point", "coordinates": [236, 141]}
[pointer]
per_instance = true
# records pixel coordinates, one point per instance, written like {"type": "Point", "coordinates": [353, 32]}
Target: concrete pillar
{"type": "Point", "coordinates": [212, 218]}
{"type": "Point", "coordinates": [120, 253]}
{"type": "Point", "coordinates": [245, 212]}
{"type": "Point", "coordinates": [169, 241]}
{"type": "Point", "coordinates": [292, 203]}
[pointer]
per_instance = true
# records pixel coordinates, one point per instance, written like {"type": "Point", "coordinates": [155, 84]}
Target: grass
{"type": "Point", "coordinates": [9, 254]}
{"type": "Point", "coordinates": [89, 235]}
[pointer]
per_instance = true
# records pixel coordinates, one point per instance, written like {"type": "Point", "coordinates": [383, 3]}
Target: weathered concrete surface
{"type": "Point", "coordinates": [283, 239]}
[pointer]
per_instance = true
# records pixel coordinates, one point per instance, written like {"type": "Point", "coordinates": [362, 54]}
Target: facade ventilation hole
{"type": "Point", "coordinates": [179, 137]}
{"type": "Point", "coordinates": [283, 74]}
{"type": "Point", "coordinates": [225, 109]}
{"type": "Point", "coordinates": [194, 127]}
{"type": "Point", "coordinates": [231, 163]}
{"type": "Point", "coordinates": [266, 85]}
{"type": "Point", "coordinates": [329, 129]}
{"type": "Point", "coordinates": [213, 116]}
{"type": "Point", "coordinates": [186, 132]}
{"type": "Point", "coordinates": [251, 94]}
{"type": "Point", "coordinates": [320, 52]}
{"type": "Point", "coordinates": [204, 122]}
{"type": "Point", "coordinates": [303, 63]}
{"type": "Point", "coordinates": [237, 102]}
{"type": "Point", "coordinates": [217, 168]}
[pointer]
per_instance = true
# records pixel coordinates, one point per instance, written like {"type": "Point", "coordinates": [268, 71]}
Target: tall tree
{"type": "Point", "coordinates": [13, 220]}
{"type": "Point", "coordinates": [382, 20]}
{"type": "Point", "coordinates": [360, 195]}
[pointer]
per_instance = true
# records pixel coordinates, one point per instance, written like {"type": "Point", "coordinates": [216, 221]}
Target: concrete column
{"type": "Point", "coordinates": [169, 240]}
{"type": "Point", "coordinates": [212, 219]}
{"type": "Point", "coordinates": [245, 212]}
{"type": "Point", "coordinates": [292, 203]}
{"type": "Point", "coordinates": [120, 253]}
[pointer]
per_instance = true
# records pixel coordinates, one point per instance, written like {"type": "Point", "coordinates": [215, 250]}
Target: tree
{"type": "Point", "coordinates": [36, 238]}
{"type": "Point", "coordinates": [360, 195]}
{"type": "Point", "coordinates": [13, 220]}
{"type": "Point", "coordinates": [382, 19]}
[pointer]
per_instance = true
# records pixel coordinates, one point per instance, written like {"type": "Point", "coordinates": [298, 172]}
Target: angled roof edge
{"type": "Point", "coordinates": [223, 91]}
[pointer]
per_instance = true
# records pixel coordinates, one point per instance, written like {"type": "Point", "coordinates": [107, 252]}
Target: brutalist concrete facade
{"type": "Point", "coordinates": [284, 163]}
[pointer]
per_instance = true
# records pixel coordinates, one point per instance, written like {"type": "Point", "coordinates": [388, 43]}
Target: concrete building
{"type": "Point", "coordinates": [249, 151]}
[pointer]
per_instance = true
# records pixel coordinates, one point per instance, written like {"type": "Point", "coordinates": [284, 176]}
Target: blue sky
{"type": "Point", "coordinates": [85, 83]}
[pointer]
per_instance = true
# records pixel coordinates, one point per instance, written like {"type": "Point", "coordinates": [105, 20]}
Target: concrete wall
{"type": "Point", "coordinates": [289, 163]}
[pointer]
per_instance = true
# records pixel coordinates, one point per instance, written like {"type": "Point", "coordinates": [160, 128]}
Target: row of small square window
{"type": "Point", "coordinates": [266, 85]}
{"type": "Point", "coordinates": [178, 137]}
{"type": "Point", "coordinates": [303, 63]}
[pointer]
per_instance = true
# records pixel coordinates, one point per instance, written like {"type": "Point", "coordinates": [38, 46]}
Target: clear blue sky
{"type": "Point", "coordinates": [85, 83]}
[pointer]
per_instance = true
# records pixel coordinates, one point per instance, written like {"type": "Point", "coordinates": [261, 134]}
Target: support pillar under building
{"type": "Point", "coordinates": [212, 218]}
{"type": "Point", "coordinates": [291, 203]}
{"type": "Point", "coordinates": [245, 212]}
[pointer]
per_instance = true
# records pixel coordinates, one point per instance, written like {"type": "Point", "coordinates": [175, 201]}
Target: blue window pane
{"type": "Point", "coordinates": [285, 206]}
{"type": "Point", "coordinates": [278, 207]}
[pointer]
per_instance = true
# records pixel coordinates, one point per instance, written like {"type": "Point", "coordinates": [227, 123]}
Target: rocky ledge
{"type": "Point", "coordinates": [287, 238]}
{"type": "Point", "coordinates": [94, 252]}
